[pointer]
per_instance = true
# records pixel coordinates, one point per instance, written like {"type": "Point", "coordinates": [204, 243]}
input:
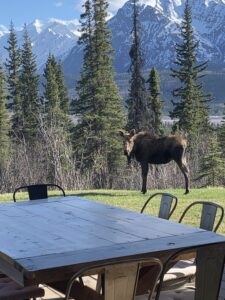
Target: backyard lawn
{"type": "Point", "coordinates": [134, 200]}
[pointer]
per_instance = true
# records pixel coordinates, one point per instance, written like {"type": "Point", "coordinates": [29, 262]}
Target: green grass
{"type": "Point", "coordinates": [134, 200]}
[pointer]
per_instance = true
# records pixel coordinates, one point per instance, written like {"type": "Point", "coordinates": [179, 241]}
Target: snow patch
{"type": "Point", "coordinates": [153, 3]}
{"type": "Point", "coordinates": [76, 32]}
{"type": "Point", "coordinates": [50, 30]}
{"type": "Point", "coordinates": [3, 30]}
{"type": "Point", "coordinates": [74, 22]}
{"type": "Point", "coordinates": [207, 2]}
{"type": "Point", "coordinates": [38, 25]}
{"type": "Point", "coordinates": [109, 16]}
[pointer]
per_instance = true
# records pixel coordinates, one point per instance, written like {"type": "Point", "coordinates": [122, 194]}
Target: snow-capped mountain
{"type": "Point", "coordinates": [55, 36]}
{"type": "Point", "coordinates": [160, 20]}
{"type": "Point", "coordinates": [3, 30]}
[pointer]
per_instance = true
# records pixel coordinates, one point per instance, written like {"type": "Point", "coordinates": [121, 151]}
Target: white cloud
{"type": "Point", "coordinates": [114, 5]}
{"type": "Point", "coordinates": [58, 4]}
{"type": "Point", "coordinates": [78, 5]}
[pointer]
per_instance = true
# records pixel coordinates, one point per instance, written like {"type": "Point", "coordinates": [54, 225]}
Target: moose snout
{"type": "Point", "coordinates": [128, 156]}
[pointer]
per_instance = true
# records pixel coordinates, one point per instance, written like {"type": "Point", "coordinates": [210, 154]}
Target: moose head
{"type": "Point", "coordinates": [128, 143]}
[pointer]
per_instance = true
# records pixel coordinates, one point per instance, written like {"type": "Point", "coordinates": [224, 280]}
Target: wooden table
{"type": "Point", "coordinates": [47, 240]}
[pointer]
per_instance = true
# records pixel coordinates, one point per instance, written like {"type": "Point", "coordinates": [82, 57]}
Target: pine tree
{"type": "Point", "coordinates": [57, 120]}
{"type": "Point", "coordinates": [191, 107]}
{"type": "Point", "coordinates": [13, 68]}
{"type": "Point", "coordinates": [212, 166]}
{"type": "Point", "coordinates": [55, 92]}
{"type": "Point", "coordinates": [85, 84]}
{"type": "Point", "coordinates": [222, 134]}
{"type": "Point", "coordinates": [4, 122]}
{"type": "Point", "coordinates": [100, 115]}
{"type": "Point", "coordinates": [62, 89]}
{"type": "Point", "coordinates": [51, 89]}
{"type": "Point", "coordinates": [29, 81]}
{"type": "Point", "coordinates": [155, 103]}
{"type": "Point", "coordinates": [138, 114]}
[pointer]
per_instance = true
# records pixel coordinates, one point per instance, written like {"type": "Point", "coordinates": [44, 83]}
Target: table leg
{"type": "Point", "coordinates": [210, 264]}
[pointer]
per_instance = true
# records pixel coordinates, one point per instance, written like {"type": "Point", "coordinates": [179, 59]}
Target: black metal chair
{"type": "Point", "coordinates": [164, 295]}
{"type": "Point", "coordinates": [208, 215]}
{"type": "Point", "coordinates": [167, 206]}
{"type": "Point", "coordinates": [37, 191]}
{"type": "Point", "coordinates": [124, 283]}
{"type": "Point", "coordinates": [184, 271]}
{"type": "Point", "coordinates": [185, 293]}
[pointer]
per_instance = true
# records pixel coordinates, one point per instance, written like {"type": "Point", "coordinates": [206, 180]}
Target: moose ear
{"type": "Point", "coordinates": [121, 133]}
{"type": "Point", "coordinates": [133, 132]}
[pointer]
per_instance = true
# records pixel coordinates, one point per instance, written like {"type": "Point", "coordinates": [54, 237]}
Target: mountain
{"type": "Point", "coordinates": [55, 36]}
{"type": "Point", "coordinates": [160, 20]}
{"type": "Point", "coordinates": [3, 30]}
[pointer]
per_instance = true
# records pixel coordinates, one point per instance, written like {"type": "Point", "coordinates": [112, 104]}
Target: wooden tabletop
{"type": "Point", "coordinates": [43, 240]}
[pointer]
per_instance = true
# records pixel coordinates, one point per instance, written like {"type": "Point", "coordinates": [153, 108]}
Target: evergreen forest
{"type": "Point", "coordinates": [47, 136]}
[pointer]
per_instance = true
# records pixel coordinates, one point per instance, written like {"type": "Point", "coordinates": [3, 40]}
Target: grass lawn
{"type": "Point", "coordinates": [134, 200]}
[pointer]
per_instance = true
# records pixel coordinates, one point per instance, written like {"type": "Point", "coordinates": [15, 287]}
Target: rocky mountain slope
{"type": "Point", "coordinates": [160, 20]}
{"type": "Point", "coordinates": [55, 36]}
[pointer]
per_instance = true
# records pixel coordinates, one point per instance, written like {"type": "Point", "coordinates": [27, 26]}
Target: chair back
{"type": "Point", "coordinates": [37, 191]}
{"type": "Point", "coordinates": [120, 278]}
{"type": "Point", "coordinates": [208, 215]}
{"type": "Point", "coordinates": [214, 268]}
{"type": "Point", "coordinates": [168, 205]}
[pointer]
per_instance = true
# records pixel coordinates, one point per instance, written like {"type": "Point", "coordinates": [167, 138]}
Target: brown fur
{"type": "Point", "coordinates": [147, 148]}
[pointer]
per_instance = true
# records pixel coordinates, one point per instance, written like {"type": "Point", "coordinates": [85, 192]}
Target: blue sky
{"type": "Point", "coordinates": [26, 11]}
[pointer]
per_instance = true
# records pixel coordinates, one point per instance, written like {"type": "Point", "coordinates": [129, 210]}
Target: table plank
{"type": "Point", "coordinates": [59, 231]}
{"type": "Point", "coordinates": [119, 251]}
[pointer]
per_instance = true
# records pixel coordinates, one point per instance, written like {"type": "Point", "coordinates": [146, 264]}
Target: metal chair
{"type": "Point", "coordinates": [120, 278]}
{"type": "Point", "coordinates": [185, 293]}
{"type": "Point", "coordinates": [184, 271]}
{"type": "Point", "coordinates": [167, 206]}
{"type": "Point", "coordinates": [208, 215]}
{"type": "Point", "coordinates": [10, 290]}
{"type": "Point", "coordinates": [37, 191]}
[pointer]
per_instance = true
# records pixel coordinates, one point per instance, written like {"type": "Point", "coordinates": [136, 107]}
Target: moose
{"type": "Point", "coordinates": [150, 149]}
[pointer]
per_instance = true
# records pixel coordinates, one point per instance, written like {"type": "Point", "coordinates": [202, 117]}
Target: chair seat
{"type": "Point", "coordinates": [181, 294]}
{"type": "Point", "coordinates": [183, 268]}
{"type": "Point", "coordinates": [10, 290]}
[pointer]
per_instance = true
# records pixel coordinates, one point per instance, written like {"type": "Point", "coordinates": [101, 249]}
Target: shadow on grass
{"type": "Point", "coordinates": [96, 194]}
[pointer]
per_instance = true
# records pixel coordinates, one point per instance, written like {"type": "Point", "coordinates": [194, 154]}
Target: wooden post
{"type": "Point", "coordinates": [120, 282]}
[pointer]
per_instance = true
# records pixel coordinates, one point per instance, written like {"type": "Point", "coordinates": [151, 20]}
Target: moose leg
{"type": "Point", "coordinates": [184, 169]}
{"type": "Point", "coordinates": [144, 169]}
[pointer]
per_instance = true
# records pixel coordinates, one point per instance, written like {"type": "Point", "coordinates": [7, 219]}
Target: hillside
{"type": "Point", "coordinates": [214, 82]}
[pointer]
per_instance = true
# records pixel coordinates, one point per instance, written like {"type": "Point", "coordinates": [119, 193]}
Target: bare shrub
{"type": "Point", "coordinates": [51, 159]}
